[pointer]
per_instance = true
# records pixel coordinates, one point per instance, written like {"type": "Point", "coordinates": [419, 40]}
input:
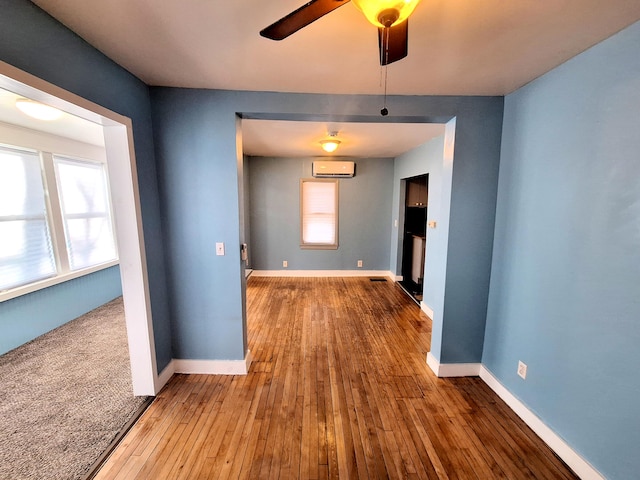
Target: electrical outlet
{"type": "Point", "coordinates": [522, 370]}
{"type": "Point", "coordinates": [359, 263]}
{"type": "Point", "coordinates": [285, 264]}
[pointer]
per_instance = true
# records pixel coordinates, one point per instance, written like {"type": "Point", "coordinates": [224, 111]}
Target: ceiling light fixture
{"type": "Point", "coordinates": [330, 144]}
{"type": "Point", "coordinates": [386, 13]}
{"type": "Point", "coordinates": [38, 110]}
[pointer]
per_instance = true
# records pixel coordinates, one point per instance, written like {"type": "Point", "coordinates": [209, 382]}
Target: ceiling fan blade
{"type": "Point", "coordinates": [393, 43]}
{"type": "Point", "coordinates": [300, 18]}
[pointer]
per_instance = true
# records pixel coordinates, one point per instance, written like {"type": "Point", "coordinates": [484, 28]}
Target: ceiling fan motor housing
{"type": "Point", "coordinates": [388, 17]}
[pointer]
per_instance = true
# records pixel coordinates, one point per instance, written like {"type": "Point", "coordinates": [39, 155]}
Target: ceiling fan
{"type": "Point", "coordinates": [389, 16]}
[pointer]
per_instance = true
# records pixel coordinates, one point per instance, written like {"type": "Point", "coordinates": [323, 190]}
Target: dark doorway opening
{"type": "Point", "coordinates": [415, 236]}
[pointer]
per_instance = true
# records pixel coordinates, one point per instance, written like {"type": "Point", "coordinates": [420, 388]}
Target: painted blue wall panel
{"type": "Point", "coordinates": [36, 43]}
{"type": "Point", "coordinates": [26, 317]}
{"type": "Point", "coordinates": [471, 225]}
{"type": "Point", "coordinates": [565, 284]}
{"type": "Point", "coordinates": [196, 152]}
{"type": "Point", "coordinates": [202, 125]}
{"type": "Point", "coordinates": [425, 159]}
{"type": "Point", "coordinates": [364, 228]}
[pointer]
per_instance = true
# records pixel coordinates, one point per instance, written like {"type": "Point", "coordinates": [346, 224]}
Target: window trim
{"type": "Point", "coordinates": [320, 246]}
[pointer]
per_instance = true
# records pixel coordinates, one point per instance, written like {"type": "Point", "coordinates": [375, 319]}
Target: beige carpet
{"type": "Point", "coordinates": [65, 396]}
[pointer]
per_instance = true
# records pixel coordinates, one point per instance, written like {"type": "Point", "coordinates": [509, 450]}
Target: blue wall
{"type": "Point", "coordinates": [195, 137]}
{"type": "Point", "coordinates": [425, 159]}
{"type": "Point", "coordinates": [565, 284]}
{"type": "Point", "coordinates": [196, 129]}
{"type": "Point", "coordinates": [29, 316]}
{"type": "Point", "coordinates": [36, 43]}
{"type": "Point", "coordinates": [364, 227]}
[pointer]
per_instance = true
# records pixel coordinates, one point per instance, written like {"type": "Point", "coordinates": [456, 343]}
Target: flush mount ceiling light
{"type": "Point", "coordinates": [330, 143]}
{"type": "Point", "coordinates": [38, 110]}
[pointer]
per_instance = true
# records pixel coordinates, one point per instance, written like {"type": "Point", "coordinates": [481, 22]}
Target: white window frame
{"type": "Point", "coordinates": [47, 145]}
{"type": "Point", "coordinates": [108, 213]}
{"type": "Point", "coordinates": [311, 245]}
{"type": "Point", "coordinates": [30, 158]}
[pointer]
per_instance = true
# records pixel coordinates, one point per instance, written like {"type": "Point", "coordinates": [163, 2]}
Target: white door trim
{"type": "Point", "coordinates": [124, 189]}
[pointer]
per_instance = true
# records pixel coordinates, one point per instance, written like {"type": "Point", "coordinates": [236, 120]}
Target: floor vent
{"type": "Point", "coordinates": [378, 279]}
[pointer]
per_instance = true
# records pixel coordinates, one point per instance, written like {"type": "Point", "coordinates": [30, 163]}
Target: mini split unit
{"type": "Point", "coordinates": [333, 169]}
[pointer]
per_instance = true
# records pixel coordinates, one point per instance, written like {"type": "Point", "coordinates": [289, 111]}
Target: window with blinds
{"type": "Point", "coordinates": [26, 253]}
{"type": "Point", "coordinates": [55, 218]}
{"type": "Point", "coordinates": [84, 201]}
{"type": "Point", "coordinates": [319, 214]}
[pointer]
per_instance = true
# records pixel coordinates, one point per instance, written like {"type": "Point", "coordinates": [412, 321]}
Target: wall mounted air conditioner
{"type": "Point", "coordinates": [333, 169]}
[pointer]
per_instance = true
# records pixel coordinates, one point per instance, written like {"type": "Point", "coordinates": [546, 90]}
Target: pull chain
{"type": "Point", "coordinates": [384, 112]}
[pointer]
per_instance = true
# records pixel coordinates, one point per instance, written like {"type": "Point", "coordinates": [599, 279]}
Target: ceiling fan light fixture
{"type": "Point", "coordinates": [38, 110]}
{"type": "Point", "coordinates": [386, 13]}
{"type": "Point", "coordinates": [331, 143]}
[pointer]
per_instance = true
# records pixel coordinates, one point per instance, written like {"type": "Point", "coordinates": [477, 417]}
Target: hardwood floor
{"type": "Point", "coordinates": [338, 388]}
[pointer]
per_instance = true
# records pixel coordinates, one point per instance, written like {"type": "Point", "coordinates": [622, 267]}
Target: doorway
{"type": "Point", "coordinates": [414, 235]}
{"type": "Point", "coordinates": [118, 140]}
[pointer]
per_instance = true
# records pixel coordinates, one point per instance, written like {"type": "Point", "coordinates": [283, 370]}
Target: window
{"type": "Point", "coordinates": [26, 253]}
{"type": "Point", "coordinates": [55, 218]}
{"type": "Point", "coordinates": [84, 202]}
{"type": "Point", "coordinates": [319, 214]}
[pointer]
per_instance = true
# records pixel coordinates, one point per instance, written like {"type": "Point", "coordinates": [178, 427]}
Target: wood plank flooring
{"type": "Point", "coordinates": [338, 388]}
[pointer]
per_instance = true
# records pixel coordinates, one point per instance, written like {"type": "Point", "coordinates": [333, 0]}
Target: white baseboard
{"type": "Point", "coordinates": [204, 367]}
{"type": "Point", "coordinates": [579, 465]}
{"type": "Point", "coordinates": [427, 310]}
{"type": "Point", "coordinates": [323, 273]}
{"type": "Point", "coordinates": [453, 369]}
{"type": "Point", "coordinates": [213, 367]}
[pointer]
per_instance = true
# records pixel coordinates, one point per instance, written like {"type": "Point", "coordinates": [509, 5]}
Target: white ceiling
{"type": "Point", "coordinates": [301, 139]}
{"type": "Point", "coordinates": [456, 47]}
